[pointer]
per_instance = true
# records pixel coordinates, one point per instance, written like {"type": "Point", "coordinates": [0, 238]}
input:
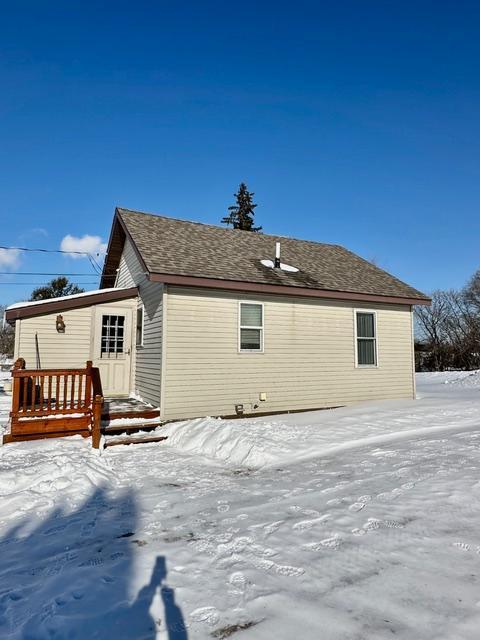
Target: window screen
{"type": "Point", "coordinates": [251, 327]}
{"type": "Point", "coordinates": [366, 339]}
{"type": "Point", "coordinates": [112, 334]}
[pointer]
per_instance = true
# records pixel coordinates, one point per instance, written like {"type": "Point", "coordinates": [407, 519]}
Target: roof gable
{"type": "Point", "coordinates": [171, 247]}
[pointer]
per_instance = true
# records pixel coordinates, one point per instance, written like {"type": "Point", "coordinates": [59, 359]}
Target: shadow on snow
{"type": "Point", "coordinates": [69, 577]}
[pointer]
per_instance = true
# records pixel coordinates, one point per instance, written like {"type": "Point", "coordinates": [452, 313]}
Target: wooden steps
{"type": "Point", "coordinates": [139, 417]}
{"type": "Point", "coordinates": [144, 414]}
{"type": "Point", "coordinates": [135, 427]}
{"type": "Point", "coordinates": [143, 417]}
{"type": "Point", "coordinates": [118, 441]}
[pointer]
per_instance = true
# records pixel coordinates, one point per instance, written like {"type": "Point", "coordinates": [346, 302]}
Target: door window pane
{"type": "Point", "coordinates": [112, 334]}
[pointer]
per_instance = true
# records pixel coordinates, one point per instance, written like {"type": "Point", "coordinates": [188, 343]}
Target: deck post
{"type": "Point", "coordinates": [96, 423]}
{"type": "Point", "coordinates": [17, 386]}
{"type": "Point", "coordinates": [88, 383]}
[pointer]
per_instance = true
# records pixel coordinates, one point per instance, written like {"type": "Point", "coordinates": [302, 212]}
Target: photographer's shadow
{"type": "Point", "coordinates": [69, 577]}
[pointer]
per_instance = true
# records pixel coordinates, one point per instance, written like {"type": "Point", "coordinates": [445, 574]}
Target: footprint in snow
{"type": "Point", "coordinates": [334, 502]}
{"type": "Point", "coordinates": [207, 615]}
{"type": "Point", "coordinates": [304, 525]}
{"type": "Point", "coordinates": [357, 506]}
{"type": "Point", "coordinates": [393, 524]}
{"type": "Point", "coordinates": [373, 524]}
{"type": "Point", "coordinates": [238, 581]}
{"type": "Point", "coordinates": [289, 571]}
{"type": "Point", "coordinates": [332, 543]}
{"type": "Point", "coordinates": [280, 569]}
{"type": "Point", "coordinates": [358, 532]}
{"type": "Point", "coordinates": [272, 527]}
{"type": "Point", "coordinates": [92, 562]}
{"type": "Point", "coordinates": [57, 529]}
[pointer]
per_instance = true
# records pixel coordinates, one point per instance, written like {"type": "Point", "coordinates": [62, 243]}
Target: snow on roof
{"type": "Point", "coordinates": [18, 305]}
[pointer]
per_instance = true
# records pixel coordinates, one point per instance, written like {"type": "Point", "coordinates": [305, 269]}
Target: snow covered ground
{"type": "Point", "coordinates": [356, 523]}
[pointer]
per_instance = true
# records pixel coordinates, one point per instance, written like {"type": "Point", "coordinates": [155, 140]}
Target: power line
{"type": "Point", "coordinates": [93, 262]}
{"type": "Point", "coordinates": [42, 273]}
{"type": "Point", "coordinates": [81, 253]}
{"type": "Point", "coordinates": [42, 284]}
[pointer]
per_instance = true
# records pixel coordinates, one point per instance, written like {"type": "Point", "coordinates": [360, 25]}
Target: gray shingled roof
{"type": "Point", "coordinates": [179, 247]}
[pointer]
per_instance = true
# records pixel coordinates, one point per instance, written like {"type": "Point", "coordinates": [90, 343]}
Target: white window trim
{"type": "Point", "coordinates": [240, 327]}
{"type": "Point", "coordinates": [355, 346]}
{"type": "Point", "coordinates": [140, 344]}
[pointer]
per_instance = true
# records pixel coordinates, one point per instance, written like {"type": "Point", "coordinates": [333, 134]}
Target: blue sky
{"type": "Point", "coordinates": [354, 123]}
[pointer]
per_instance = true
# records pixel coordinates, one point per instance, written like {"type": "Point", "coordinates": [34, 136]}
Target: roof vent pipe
{"type": "Point", "coordinates": [277, 255]}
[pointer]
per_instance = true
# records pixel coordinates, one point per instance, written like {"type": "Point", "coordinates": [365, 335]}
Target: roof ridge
{"type": "Point", "coordinates": [218, 227]}
{"type": "Point", "coordinates": [207, 252]}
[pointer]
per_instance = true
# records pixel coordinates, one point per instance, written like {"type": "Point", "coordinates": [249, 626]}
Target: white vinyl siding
{"type": "Point", "coordinates": [130, 272]}
{"type": "Point", "coordinates": [148, 362]}
{"type": "Point", "coordinates": [67, 350]}
{"type": "Point", "coordinates": [308, 359]}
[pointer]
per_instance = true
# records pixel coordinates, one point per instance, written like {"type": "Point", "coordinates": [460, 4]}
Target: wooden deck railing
{"type": "Point", "coordinates": [54, 402]}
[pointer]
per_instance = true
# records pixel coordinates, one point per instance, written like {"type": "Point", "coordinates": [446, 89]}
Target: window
{"type": "Point", "coordinates": [139, 338]}
{"type": "Point", "coordinates": [112, 334]}
{"type": "Point", "coordinates": [366, 339]}
{"type": "Point", "coordinates": [251, 326]}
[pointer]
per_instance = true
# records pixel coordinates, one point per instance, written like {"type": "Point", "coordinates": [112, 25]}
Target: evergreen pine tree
{"type": "Point", "coordinates": [242, 214]}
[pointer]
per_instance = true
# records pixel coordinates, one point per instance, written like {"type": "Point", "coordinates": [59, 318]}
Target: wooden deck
{"type": "Point", "coordinates": [53, 403]}
{"type": "Point", "coordinates": [114, 408]}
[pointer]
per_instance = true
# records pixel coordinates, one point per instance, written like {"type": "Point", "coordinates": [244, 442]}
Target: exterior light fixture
{"type": "Point", "coordinates": [60, 324]}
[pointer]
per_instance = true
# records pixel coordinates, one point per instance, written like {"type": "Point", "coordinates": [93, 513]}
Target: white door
{"type": "Point", "coordinates": [112, 346]}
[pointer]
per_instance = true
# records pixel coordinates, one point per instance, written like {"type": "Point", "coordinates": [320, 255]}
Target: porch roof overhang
{"type": "Point", "coordinates": [87, 299]}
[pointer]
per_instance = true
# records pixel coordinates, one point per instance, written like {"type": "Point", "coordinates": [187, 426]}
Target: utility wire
{"type": "Point", "coordinates": [53, 273]}
{"type": "Point", "coordinates": [31, 284]}
{"type": "Point", "coordinates": [42, 273]}
{"type": "Point", "coordinates": [82, 253]}
{"type": "Point", "coordinates": [91, 259]}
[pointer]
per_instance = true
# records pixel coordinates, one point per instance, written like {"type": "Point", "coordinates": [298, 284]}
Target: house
{"type": "Point", "coordinates": [202, 320]}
